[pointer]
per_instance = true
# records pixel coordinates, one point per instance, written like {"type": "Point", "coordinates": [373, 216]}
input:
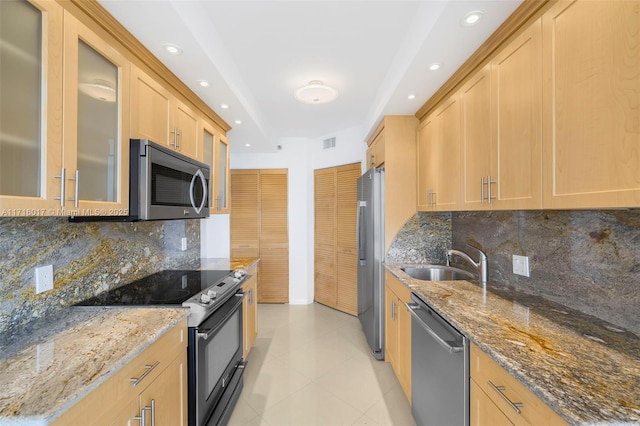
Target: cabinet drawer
{"type": "Point", "coordinates": [117, 391]}
{"type": "Point", "coordinates": [508, 394]}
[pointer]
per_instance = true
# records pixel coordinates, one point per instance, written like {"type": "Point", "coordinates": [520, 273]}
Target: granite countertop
{"type": "Point", "coordinates": [586, 369]}
{"type": "Point", "coordinates": [50, 363]}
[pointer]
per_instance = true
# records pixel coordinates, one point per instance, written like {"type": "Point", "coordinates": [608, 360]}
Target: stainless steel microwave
{"type": "Point", "coordinates": [166, 184]}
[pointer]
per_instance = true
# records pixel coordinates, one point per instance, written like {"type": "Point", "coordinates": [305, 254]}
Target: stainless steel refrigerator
{"type": "Point", "coordinates": [370, 238]}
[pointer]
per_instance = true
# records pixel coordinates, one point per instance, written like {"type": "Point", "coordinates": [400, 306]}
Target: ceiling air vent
{"type": "Point", "coordinates": [329, 143]}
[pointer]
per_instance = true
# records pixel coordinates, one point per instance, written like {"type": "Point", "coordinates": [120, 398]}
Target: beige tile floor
{"type": "Point", "coordinates": [311, 365]}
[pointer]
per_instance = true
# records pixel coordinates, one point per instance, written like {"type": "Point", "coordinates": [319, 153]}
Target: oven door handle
{"type": "Point", "coordinates": [205, 334]}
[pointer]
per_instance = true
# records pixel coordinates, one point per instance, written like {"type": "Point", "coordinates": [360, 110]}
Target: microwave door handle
{"type": "Point", "coordinates": [197, 175]}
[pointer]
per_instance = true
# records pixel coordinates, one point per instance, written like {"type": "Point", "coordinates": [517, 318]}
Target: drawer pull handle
{"type": "Point", "coordinates": [515, 405]}
{"type": "Point", "coordinates": [148, 369]}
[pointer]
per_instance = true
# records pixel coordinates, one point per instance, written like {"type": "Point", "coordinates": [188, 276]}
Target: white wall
{"type": "Point", "coordinates": [301, 157]}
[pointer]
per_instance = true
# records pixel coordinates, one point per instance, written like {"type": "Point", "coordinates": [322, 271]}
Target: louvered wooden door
{"type": "Point", "coordinates": [336, 196]}
{"type": "Point", "coordinates": [259, 228]}
{"type": "Point", "coordinates": [244, 218]}
{"type": "Point", "coordinates": [325, 283]}
{"type": "Point", "coordinates": [273, 276]}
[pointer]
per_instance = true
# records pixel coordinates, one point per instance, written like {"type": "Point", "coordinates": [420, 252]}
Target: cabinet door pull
{"type": "Point", "coordinates": [142, 418]}
{"type": "Point", "coordinates": [61, 176]}
{"type": "Point", "coordinates": [148, 368]}
{"type": "Point", "coordinates": [515, 405]}
{"type": "Point", "coordinates": [489, 182]}
{"type": "Point", "coordinates": [175, 138]}
{"type": "Point", "coordinates": [77, 184]}
{"type": "Point", "coordinates": [482, 190]}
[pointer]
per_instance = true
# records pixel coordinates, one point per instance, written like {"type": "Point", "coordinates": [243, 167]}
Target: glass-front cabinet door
{"type": "Point", "coordinates": [221, 200]}
{"type": "Point", "coordinates": [96, 124]}
{"type": "Point", "coordinates": [31, 34]}
{"type": "Point", "coordinates": [208, 153]}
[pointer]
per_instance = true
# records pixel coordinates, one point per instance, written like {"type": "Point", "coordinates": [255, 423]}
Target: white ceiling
{"type": "Point", "coordinates": [256, 53]}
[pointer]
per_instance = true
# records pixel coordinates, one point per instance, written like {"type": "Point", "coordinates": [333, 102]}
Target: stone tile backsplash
{"type": "Point", "coordinates": [585, 260]}
{"type": "Point", "coordinates": [87, 258]}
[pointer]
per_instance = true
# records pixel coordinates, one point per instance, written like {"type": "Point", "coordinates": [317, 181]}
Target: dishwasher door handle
{"type": "Point", "coordinates": [413, 307]}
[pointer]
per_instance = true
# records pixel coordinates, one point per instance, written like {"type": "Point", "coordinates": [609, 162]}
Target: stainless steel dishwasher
{"type": "Point", "coordinates": [439, 369]}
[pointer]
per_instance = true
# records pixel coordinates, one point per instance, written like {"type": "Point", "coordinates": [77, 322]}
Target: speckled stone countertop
{"type": "Point", "coordinates": [226, 263]}
{"type": "Point", "coordinates": [50, 363]}
{"type": "Point", "coordinates": [587, 370]}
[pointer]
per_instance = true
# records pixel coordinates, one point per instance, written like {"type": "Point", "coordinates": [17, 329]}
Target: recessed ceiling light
{"type": "Point", "coordinates": [174, 49]}
{"type": "Point", "coordinates": [316, 92]}
{"type": "Point", "coordinates": [224, 106]}
{"type": "Point", "coordinates": [238, 122]}
{"type": "Point", "coordinates": [204, 83]}
{"type": "Point", "coordinates": [411, 96]}
{"type": "Point", "coordinates": [472, 18]}
{"type": "Point", "coordinates": [247, 145]}
{"type": "Point", "coordinates": [434, 66]}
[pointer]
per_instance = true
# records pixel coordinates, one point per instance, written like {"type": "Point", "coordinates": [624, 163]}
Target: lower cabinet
{"type": "Point", "coordinates": [249, 313]}
{"type": "Point", "coordinates": [151, 389]}
{"type": "Point", "coordinates": [498, 398]}
{"type": "Point", "coordinates": [397, 335]}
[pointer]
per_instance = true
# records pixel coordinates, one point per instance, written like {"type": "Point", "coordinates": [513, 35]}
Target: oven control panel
{"type": "Point", "coordinates": [206, 302]}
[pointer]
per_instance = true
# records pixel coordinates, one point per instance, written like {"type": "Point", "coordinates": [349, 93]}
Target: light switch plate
{"type": "Point", "coordinates": [44, 278]}
{"type": "Point", "coordinates": [521, 265]}
{"type": "Point", "coordinates": [183, 244]}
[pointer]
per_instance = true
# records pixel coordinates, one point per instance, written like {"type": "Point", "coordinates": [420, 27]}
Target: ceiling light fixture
{"type": "Point", "coordinates": [434, 66]}
{"type": "Point", "coordinates": [247, 145]}
{"type": "Point", "coordinates": [238, 121]}
{"type": "Point", "coordinates": [316, 92]}
{"type": "Point", "coordinates": [472, 18]}
{"type": "Point", "coordinates": [224, 106]}
{"type": "Point", "coordinates": [174, 49]}
{"type": "Point", "coordinates": [204, 83]}
{"type": "Point", "coordinates": [411, 97]}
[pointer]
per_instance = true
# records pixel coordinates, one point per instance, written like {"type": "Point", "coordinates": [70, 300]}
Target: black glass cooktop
{"type": "Point", "coordinates": [170, 287]}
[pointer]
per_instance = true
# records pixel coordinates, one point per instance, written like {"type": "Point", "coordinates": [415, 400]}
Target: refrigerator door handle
{"type": "Point", "coordinates": [362, 235]}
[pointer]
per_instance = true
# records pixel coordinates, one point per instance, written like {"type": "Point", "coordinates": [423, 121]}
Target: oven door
{"type": "Point", "coordinates": [172, 186]}
{"type": "Point", "coordinates": [215, 363]}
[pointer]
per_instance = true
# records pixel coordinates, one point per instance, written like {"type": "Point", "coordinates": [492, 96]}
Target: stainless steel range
{"type": "Point", "coordinates": [215, 364]}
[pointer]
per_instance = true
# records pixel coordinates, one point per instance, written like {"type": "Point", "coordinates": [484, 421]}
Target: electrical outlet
{"type": "Point", "coordinates": [184, 243]}
{"type": "Point", "coordinates": [521, 265]}
{"type": "Point", "coordinates": [44, 278]}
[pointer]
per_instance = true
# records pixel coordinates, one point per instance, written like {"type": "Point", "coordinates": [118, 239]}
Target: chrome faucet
{"type": "Point", "coordinates": [480, 266]}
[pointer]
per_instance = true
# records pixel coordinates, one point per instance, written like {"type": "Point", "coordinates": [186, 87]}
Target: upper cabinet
{"type": "Point", "coordinates": [502, 128]}
{"type": "Point", "coordinates": [591, 105]}
{"type": "Point", "coordinates": [31, 38]}
{"type": "Point", "coordinates": [439, 158]}
{"type": "Point", "coordinates": [95, 168]}
{"type": "Point", "coordinates": [375, 152]}
{"type": "Point", "coordinates": [215, 153]}
{"type": "Point", "coordinates": [220, 203]}
{"type": "Point", "coordinates": [158, 115]}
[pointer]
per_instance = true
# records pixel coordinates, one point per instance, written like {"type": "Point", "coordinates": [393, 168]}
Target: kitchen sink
{"type": "Point", "coordinates": [438, 273]}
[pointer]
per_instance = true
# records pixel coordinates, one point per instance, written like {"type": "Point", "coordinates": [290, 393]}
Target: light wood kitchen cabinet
{"type": "Point", "coordinates": [517, 404]}
{"type": "Point", "coordinates": [259, 228]}
{"type": "Point", "coordinates": [502, 128]}
{"type": "Point", "coordinates": [591, 115]}
{"type": "Point", "coordinates": [95, 164]}
{"type": "Point", "coordinates": [376, 151]}
{"type": "Point", "coordinates": [158, 115]}
{"type": "Point", "coordinates": [397, 336]}
{"type": "Point", "coordinates": [158, 374]}
{"type": "Point", "coordinates": [439, 158]}
{"type": "Point", "coordinates": [249, 313]}
{"type": "Point", "coordinates": [394, 140]}
{"type": "Point", "coordinates": [30, 107]}
{"type": "Point", "coordinates": [221, 183]}
{"type": "Point", "coordinates": [335, 252]}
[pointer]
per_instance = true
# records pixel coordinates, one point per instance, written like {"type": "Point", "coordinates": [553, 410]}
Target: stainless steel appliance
{"type": "Point", "coordinates": [370, 243]}
{"type": "Point", "coordinates": [214, 352]}
{"type": "Point", "coordinates": [165, 184]}
{"type": "Point", "coordinates": [439, 369]}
